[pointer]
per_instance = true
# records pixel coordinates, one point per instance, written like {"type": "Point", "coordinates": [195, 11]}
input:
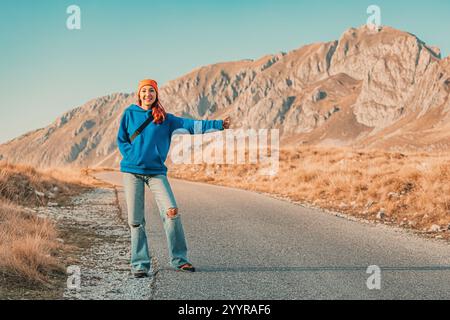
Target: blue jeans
{"type": "Point", "coordinates": [135, 198]}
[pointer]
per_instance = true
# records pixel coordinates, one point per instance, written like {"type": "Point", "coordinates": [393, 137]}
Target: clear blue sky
{"type": "Point", "coordinates": [46, 69]}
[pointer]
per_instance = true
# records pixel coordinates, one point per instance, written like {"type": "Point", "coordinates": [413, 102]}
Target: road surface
{"type": "Point", "coordinates": [247, 245]}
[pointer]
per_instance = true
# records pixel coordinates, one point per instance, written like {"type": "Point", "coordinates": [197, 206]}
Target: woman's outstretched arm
{"type": "Point", "coordinates": [197, 126]}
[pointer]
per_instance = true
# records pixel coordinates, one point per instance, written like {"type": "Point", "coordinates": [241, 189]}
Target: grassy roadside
{"type": "Point", "coordinates": [33, 250]}
{"type": "Point", "coordinates": [407, 190]}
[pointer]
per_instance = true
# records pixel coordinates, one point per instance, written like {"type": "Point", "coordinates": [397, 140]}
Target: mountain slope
{"type": "Point", "coordinates": [369, 89]}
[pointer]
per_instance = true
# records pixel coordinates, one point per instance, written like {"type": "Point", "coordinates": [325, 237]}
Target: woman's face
{"type": "Point", "coordinates": [147, 96]}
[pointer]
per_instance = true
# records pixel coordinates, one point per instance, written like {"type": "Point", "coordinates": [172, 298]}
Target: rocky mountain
{"type": "Point", "coordinates": [381, 88]}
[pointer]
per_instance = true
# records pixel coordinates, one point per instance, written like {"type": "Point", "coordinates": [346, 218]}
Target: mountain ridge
{"type": "Point", "coordinates": [382, 88]}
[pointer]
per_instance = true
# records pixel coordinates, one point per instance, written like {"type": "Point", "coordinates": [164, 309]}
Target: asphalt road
{"type": "Point", "coordinates": [249, 246]}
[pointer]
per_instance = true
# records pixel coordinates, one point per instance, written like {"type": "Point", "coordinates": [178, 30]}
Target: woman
{"type": "Point", "coordinates": [143, 160]}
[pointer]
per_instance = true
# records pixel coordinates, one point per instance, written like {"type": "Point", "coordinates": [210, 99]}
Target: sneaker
{"type": "Point", "coordinates": [140, 273]}
{"type": "Point", "coordinates": [186, 267]}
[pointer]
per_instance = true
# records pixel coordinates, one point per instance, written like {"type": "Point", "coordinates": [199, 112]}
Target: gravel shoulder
{"type": "Point", "coordinates": [100, 241]}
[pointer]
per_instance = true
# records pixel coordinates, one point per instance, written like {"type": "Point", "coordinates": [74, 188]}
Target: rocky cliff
{"type": "Point", "coordinates": [380, 88]}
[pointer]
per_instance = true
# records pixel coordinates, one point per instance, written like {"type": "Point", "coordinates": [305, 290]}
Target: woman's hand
{"type": "Point", "coordinates": [226, 123]}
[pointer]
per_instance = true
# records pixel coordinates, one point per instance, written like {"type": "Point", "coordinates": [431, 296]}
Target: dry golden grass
{"type": "Point", "coordinates": [28, 244]}
{"type": "Point", "coordinates": [412, 189]}
{"type": "Point", "coordinates": [22, 183]}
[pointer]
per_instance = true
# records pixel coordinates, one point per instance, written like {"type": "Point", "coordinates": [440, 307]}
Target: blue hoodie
{"type": "Point", "coordinates": [148, 152]}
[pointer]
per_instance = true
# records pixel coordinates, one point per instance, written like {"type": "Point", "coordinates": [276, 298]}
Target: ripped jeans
{"type": "Point", "coordinates": [134, 185]}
